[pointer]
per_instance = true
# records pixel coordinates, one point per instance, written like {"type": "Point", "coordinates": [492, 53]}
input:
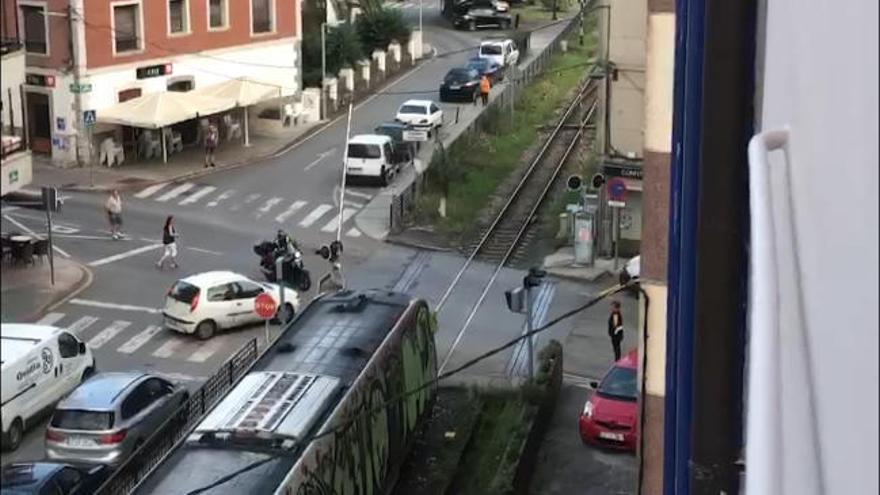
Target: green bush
{"type": "Point", "coordinates": [344, 47]}
{"type": "Point", "coordinates": [561, 5]}
{"type": "Point", "coordinates": [378, 27]}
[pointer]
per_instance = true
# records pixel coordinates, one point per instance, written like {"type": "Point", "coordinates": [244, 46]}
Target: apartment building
{"type": "Point", "coordinates": [87, 55]}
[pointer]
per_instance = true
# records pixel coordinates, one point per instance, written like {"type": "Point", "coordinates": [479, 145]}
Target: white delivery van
{"type": "Point", "coordinates": [502, 52]}
{"type": "Point", "coordinates": [371, 155]}
{"type": "Point", "coordinates": [39, 365]}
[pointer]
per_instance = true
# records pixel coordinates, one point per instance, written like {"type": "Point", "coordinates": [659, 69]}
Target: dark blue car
{"type": "Point", "coordinates": [486, 67]}
{"type": "Point", "coordinates": [55, 478]}
{"type": "Point", "coordinates": [460, 84]}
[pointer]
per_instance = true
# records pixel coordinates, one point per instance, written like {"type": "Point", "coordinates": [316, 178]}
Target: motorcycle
{"type": "Point", "coordinates": [293, 270]}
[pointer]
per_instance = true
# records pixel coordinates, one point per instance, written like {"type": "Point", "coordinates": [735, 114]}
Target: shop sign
{"type": "Point", "coordinates": [626, 170]}
{"type": "Point", "coordinates": [39, 80]}
{"type": "Point", "coordinates": [153, 71]}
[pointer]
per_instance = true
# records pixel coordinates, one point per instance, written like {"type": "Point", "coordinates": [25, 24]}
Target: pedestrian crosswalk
{"type": "Point", "coordinates": [145, 339]}
{"type": "Point", "coordinates": [277, 209]}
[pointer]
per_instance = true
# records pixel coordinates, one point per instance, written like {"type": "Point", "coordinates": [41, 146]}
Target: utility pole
{"type": "Point", "coordinates": [324, 66]}
{"type": "Point", "coordinates": [344, 173]}
{"type": "Point", "coordinates": [74, 22]}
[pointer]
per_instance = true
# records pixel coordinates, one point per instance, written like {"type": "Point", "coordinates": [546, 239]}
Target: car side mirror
{"type": "Point", "coordinates": [594, 384]}
{"type": "Point", "coordinates": [82, 348]}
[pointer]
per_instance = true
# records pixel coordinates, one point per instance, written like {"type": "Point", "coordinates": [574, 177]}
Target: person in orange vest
{"type": "Point", "coordinates": [485, 86]}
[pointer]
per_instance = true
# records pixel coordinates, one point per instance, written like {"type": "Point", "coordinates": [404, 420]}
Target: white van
{"type": "Point", "coordinates": [39, 365]}
{"type": "Point", "coordinates": [371, 155]}
{"type": "Point", "coordinates": [502, 52]}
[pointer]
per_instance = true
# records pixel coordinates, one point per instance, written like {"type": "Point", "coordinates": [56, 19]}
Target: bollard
{"type": "Point", "coordinates": [457, 109]}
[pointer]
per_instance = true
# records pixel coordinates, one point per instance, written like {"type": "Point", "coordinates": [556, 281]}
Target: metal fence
{"type": "Point", "coordinates": [154, 450]}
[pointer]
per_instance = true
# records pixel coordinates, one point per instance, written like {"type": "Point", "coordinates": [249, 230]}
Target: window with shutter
{"type": "Point", "coordinates": [34, 28]}
{"type": "Point", "coordinates": [125, 19]}
{"type": "Point", "coordinates": [261, 16]}
{"type": "Point", "coordinates": [177, 16]}
{"type": "Point", "coordinates": [217, 14]}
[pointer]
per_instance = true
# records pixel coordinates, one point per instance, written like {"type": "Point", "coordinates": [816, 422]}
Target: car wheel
{"type": "Point", "coordinates": [472, 26]}
{"type": "Point", "coordinates": [285, 313]}
{"type": "Point", "coordinates": [383, 177]}
{"type": "Point", "coordinates": [206, 330]}
{"type": "Point", "coordinates": [13, 437]}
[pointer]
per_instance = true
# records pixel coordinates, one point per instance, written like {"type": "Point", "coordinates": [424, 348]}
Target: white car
{"type": "Point", "coordinates": [421, 114]}
{"type": "Point", "coordinates": [371, 155]}
{"type": "Point", "coordinates": [500, 5]}
{"type": "Point", "coordinates": [204, 303]}
{"type": "Point", "coordinates": [502, 52]}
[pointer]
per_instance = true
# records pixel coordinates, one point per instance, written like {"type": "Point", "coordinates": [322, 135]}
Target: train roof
{"type": "Point", "coordinates": [286, 396]}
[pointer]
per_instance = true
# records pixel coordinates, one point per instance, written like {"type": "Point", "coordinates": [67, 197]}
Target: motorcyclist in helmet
{"type": "Point", "coordinates": [284, 244]}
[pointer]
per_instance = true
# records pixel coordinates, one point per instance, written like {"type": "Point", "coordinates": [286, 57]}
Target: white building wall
{"type": "Point", "coordinates": [12, 70]}
{"type": "Point", "coordinates": [820, 80]}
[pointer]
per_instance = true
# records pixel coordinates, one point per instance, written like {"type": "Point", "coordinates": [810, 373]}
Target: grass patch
{"type": "Point", "coordinates": [542, 12]}
{"type": "Point", "coordinates": [481, 162]}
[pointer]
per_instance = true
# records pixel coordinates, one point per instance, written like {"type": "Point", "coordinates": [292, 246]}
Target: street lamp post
{"type": "Point", "coordinates": [323, 69]}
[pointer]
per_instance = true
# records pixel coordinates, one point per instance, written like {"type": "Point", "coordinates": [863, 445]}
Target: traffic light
{"type": "Point", "coordinates": [516, 300]}
{"type": "Point", "coordinates": [330, 253]}
{"type": "Point", "coordinates": [598, 181]}
{"type": "Point", "coordinates": [574, 182]}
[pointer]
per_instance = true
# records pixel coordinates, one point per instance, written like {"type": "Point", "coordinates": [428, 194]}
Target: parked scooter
{"type": "Point", "coordinates": [293, 269]}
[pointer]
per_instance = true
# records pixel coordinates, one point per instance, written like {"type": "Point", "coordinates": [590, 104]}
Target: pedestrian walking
{"type": "Point", "coordinates": [615, 328]}
{"type": "Point", "coordinates": [169, 239]}
{"type": "Point", "coordinates": [211, 139]}
{"type": "Point", "coordinates": [113, 206]}
{"type": "Point", "coordinates": [485, 87]}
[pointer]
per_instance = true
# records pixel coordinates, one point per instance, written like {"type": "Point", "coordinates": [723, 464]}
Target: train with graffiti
{"type": "Point", "coordinates": [328, 408]}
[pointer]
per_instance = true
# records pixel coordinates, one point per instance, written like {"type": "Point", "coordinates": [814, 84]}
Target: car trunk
{"type": "Point", "coordinates": [82, 432]}
{"type": "Point", "coordinates": [181, 300]}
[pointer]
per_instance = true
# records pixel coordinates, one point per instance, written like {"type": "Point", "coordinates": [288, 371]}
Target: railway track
{"type": "Point", "coordinates": [505, 238]}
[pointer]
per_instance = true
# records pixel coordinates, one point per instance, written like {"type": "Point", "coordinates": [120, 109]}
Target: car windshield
{"type": "Point", "coordinates": [356, 150]}
{"type": "Point", "coordinates": [478, 64]}
{"type": "Point", "coordinates": [413, 109]}
{"type": "Point", "coordinates": [458, 74]}
{"type": "Point", "coordinates": [490, 50]}
{"type": "Point", "coordinates": [620, 383]}
{"type": "Point", "coordinates": [76, 419]}
{"type": "Point", "coordinates": [183, 292]}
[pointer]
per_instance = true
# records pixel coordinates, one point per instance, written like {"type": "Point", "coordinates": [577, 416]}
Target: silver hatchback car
{"type": "Point", "coordinates": [110, 415]}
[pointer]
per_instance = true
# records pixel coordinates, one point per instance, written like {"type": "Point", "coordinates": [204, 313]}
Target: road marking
{"type": "Point", "coordinates": [31, 232]}
{"type": "Point", "coordinates": [170, 347]}
{"type": "Point", "coordinates": [50, 318]}
{"type": "Point", "coordinates": [221, 197]}
{"type": "Point", "coordinates": [353, 232]}
{"type": "Point", "coordinates": [81, 324]}
{"type": "Point", "coordinates": [353, 204]}
{"type": "Point", "coordinates": [140, 339]}
{"type": "Point", "coordinates": [9, 208]}
{"type": "Point", "coordinates": [208, 251]}
{"type": "Point", "coordinates": [249, 199]}
{"type": "Point", "coordinates": [315, 214]}
{"type": "Point", "coordinates": [146, 193]}
{"type": "Point", "coordinates": [321, 156]}
{"type": "Point", "coordinates": [269, 204]}
{"type": "Point", "coordinates": [198, 195]}
{"type": "Point", "coordinates": [295, 207]}
{"type": "Point", "coordinates": [177, 191]}
{"type": "Point", "coordinates": [205, 351]}
{"type": "Point", "coordinates": [126, 254]}
{"type": "Point", "coordinates": [359, 194]}
{"type": "Point", "coordinates": [107, 305]}
{"type": "Point", "coordinates": [108, 333]}
{"type": "Point", "coordinates": [332, 225]}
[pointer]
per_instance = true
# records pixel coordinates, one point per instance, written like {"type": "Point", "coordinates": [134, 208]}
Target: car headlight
{"type": "Point", "coordinates": [471, 83]}
{"type": "Point", "coordinates": [588, 409]}
{"type": "Point", "coordinates": [424, 121]}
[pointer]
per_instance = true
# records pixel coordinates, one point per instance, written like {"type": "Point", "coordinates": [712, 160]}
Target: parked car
{"type": "Point", "coordinates": [462, 6]}
{"type": "Point", "coordinates": [611, 413]}
{"type": "Point", "coordinates": [486, 67]}
{"type": "Point", "coordinates": [40, 365]}
{"type": "Point", "coordinates": [404, 151]}
{"type": "Point", "coordinates": [482, 17]}
{"type": "Point", "coordinates": [502, 51]}
{"type": "Point", "coordinates": [461, 84]}
{"type": "Point", "coordinates": [371, 156]}
{"type": "Point", "coordinates": [421, 114]}
{"type": "Point", "coordinates": [110, 416]}
{"type": "Point", "coordinates": [630, 270]}
{"type": "Point", "coordinates": [206, 302]}
{"type": "Point", "coordinates": [54, 478]}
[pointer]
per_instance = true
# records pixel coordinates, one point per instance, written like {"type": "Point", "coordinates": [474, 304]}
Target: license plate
{"type": "Point", "coordinates": [455, 86]}
{"type": "Point", "coordinates": [611, 436]}
{"type": "Point", "coordinates": [80, 442]}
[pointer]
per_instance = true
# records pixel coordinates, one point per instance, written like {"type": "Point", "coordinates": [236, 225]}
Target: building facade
{"type": "Point", "coordinates": [85, 55]}
{"type": "Point", "coordinates": [15, 157]}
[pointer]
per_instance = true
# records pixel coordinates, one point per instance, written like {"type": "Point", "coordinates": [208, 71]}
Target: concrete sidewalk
{"type": "Point", "coordinates": [374, 219]}
{"type": "Point", "coordinates": [26, 292]}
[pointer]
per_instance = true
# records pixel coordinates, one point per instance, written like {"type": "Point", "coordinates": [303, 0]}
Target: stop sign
{"type": "Point", "coordinates": [265, 306]}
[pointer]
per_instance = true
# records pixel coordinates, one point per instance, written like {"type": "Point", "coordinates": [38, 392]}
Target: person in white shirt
{"type": "Point", "coordinates": [113, 206]}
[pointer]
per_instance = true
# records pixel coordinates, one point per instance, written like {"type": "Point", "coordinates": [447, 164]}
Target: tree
{"type": "Point", "coordinates": [379, 26]}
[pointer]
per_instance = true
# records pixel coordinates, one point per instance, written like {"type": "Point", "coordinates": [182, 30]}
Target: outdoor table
{"type": "Point", "coordinates": [22, 248]}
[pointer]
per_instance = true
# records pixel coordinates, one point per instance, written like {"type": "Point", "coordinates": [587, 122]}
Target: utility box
{"type": "Point", "coordinates": [584, 238]}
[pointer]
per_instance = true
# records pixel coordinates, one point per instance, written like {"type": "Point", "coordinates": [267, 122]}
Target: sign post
{"type": "Point", "coordinates": [265, 307]}
{"type": "Point", "coordinates": [89, 119]}
{"type": "Point", "coordinates": [616, 200]}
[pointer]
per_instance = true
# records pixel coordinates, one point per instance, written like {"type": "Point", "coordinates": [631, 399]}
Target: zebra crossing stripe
{"type": "Point", "coordinates": [169, 347]}
{"type": "Point", "coordinates": [353, 232]}
{"type": "Point", "coordinates": [50, 319]}
{"type": "Point", "coordinates": [269, 204]}
{"type": "Point", "coordinates": [206, 351]}
{"type": "Point", "coordinates": [146, 193]}
{"type": "Point", "coordinates": [250, 199]}
{"type": "Point", "coordinates": [315, 215]}
{"type": "Point", "coordinates": [224, 195]}
{"type": "Point", "coordinates": [81, 324]}
{"type": "Point", "coordinates": [108, 333]}
{"type": "Point", "coordinates": [140, 339]}
{"type": "Point", "coordinates": [198, 195]}
{"type": "Point", "coordinates": [358, 194]}
{"type": "Point", "coordinates": [295, 207]}
{"type": "Point", "coordinates": [177, 191]}
{"type": "Point", "coordinates": [332, 225]}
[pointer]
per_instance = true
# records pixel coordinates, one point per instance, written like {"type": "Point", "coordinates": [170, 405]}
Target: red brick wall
{"type": "Point", "coordinates": [158, 44]}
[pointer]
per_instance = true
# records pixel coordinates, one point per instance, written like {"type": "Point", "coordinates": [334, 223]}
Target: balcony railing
{"type": "Point", "coordinates": [9, 45]}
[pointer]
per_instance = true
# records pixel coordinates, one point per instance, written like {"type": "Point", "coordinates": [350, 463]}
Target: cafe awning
{"type": "Point", "coordinates": [244, 92]}
{"type": "Point", "coordinates": [157, 110]}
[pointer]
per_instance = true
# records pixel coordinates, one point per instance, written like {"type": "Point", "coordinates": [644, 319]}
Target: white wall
{"type": "Point", "coordinates": [12, 68]}
{"type": "Point", "coordinates": [820, 79]}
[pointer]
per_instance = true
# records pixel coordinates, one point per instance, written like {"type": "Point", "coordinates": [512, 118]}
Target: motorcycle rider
{"type": "Point", "coordinates": [284, 244]}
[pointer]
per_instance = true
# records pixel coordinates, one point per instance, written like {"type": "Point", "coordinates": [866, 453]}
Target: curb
{"type": "Point", "coordinates": [417, 245]}
{"type": "Point", "coordinates": [84, 282]}
{"type": "Point", "coordinates": [576, 278]}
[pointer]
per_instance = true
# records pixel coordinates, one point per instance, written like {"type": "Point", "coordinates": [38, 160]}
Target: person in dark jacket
{"type": "Point", "coordinates": [615, 328]}
{"type": "Point", "coordinates": [169, 239]}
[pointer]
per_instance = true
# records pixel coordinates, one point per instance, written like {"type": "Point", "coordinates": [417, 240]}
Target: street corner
{"type": "Point", "coordinates": [28, 292]}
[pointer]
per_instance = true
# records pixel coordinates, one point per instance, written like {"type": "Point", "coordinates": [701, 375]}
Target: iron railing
{"type": "Point", "coordinates": [156, 448]}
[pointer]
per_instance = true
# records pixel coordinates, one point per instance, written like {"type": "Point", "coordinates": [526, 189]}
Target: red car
{"type": "Point", "coordinates": [610, 416]}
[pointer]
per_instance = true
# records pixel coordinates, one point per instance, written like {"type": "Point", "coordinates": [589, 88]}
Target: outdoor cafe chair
{"type": "Point", "coordinates": [41, 249]}
{"type": "Point", "coordinates": [23, 253]}
{"type": "Point", "coordinates": [150, 144]}
{"type": "Point", "coordinates": [111, 152]}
